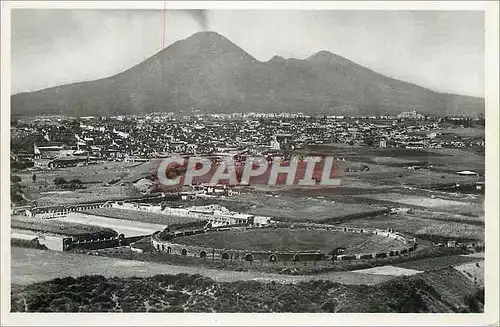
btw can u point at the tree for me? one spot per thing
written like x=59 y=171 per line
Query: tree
x=33 y=177
x=60 y=181
x=369 y=140
x=15 y=179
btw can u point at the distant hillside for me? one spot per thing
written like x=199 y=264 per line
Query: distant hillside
x=209 y=73
x=446 y=290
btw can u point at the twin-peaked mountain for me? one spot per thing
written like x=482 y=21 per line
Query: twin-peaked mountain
x=209 y=73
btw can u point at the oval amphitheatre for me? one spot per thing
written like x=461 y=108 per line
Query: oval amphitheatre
x=308 y=242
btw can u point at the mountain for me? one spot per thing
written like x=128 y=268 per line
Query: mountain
x=209 y=73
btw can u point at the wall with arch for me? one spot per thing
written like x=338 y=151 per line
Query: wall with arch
x=167 y=244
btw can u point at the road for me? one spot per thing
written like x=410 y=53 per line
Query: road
x=31 y=265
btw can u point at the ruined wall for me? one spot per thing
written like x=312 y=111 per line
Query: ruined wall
x=94 y=244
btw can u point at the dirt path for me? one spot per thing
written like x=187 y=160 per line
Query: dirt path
x=30 y=265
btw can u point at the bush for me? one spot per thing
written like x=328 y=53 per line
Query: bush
x=189 y=294
x=60 y=181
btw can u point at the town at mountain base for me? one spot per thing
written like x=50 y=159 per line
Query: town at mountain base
x=208 y=73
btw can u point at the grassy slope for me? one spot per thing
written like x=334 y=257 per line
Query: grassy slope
x=429 y=292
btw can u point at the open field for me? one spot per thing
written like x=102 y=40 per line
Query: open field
x=60 y=227
x=434 y=230
x=290 y=240
x=93 y=173
x=387 y=165
x=389 y=270
x=452 y=286
x=101 y=181
x=142 y=216
x=31 y=265
x=474 y=271
x=471 y=206
x=469 y=131
x=291 y=207
x=451 y=217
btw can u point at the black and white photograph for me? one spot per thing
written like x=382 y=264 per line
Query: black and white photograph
x=213 y=157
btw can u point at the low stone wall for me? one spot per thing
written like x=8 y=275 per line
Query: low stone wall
x=169 y=246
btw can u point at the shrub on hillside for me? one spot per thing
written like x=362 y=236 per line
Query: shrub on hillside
x=195 y=293
x=60 y=181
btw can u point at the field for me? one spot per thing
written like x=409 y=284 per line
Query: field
x=127 y=227
x=195 y=293
x=94 y=173
x=389 y=270
x=429 y=229
x=441 y=202
x=387 y=165
x=95 y=192
x=285 y=206
x=290 y=240
x=447 y=216
x=142 y=216
x=438 y=262
x=61 y=227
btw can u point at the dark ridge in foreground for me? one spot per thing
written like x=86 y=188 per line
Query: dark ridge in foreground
x=437 y=291
x=208 y=73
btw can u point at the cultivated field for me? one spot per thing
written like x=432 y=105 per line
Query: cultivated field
x=471 y=206
x=437 y=262
x=387 y=165
x=93 y=192
x=127 y=227
x=290 y=240
x=474 y=271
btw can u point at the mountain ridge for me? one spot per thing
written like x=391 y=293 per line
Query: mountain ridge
x=207 y=72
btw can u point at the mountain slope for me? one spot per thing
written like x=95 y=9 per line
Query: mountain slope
x=207 y=72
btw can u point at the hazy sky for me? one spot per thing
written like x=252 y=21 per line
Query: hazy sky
x=441 y=50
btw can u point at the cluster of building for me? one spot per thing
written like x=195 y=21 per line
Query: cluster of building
x=139 y=138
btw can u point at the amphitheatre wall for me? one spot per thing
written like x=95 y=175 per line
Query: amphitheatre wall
x=169 y=246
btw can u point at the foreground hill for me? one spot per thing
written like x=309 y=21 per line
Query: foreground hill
x=445 y=290
x=209 y=73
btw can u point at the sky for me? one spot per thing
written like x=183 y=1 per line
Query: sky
x=440 y=50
